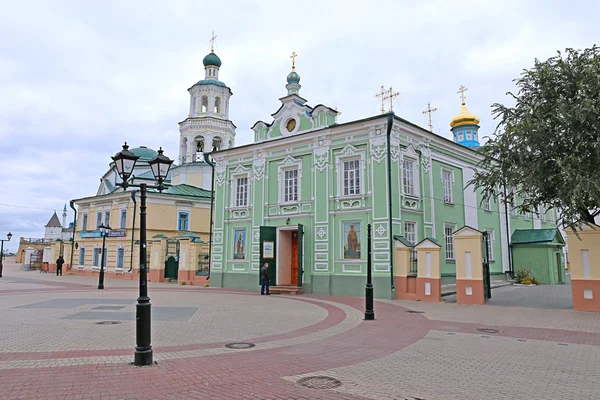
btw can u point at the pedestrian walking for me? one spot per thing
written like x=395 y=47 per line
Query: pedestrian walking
x=59 y=263
x=264 y=279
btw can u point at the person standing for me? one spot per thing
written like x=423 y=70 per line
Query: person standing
x=59 y=263
x=264 y=279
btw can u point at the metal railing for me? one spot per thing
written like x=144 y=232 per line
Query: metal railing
x=413 y=263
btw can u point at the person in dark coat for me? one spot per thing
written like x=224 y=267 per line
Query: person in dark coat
x=59 y=263
x=264 y=278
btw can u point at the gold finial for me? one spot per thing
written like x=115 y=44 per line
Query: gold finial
x=293 y=57
x=462 y=91
x=385 y=95
x=212 y=42
x=382 y=95
x=430 y=111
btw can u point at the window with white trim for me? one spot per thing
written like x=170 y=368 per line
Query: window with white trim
x=351 y=177
x=449 y=240
x=241 y=192
x=98 y=219
x=490 y=244
x=82 y=255
x=123 y=223
x=183 y=221
x=290 y=185
x=96 y=256
x=120 y=257
x=447 y=183
x=85 y=222
x=410 y=177
x=107 y=218
x=410 y=231
x=487 y=206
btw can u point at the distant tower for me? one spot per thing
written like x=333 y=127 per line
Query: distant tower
x=207 y=125
x=465 y=125
x=64 y=215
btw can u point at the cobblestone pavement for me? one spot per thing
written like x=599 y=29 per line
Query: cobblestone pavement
x=52 y=348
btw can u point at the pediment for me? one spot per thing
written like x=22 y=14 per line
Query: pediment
x=467 y=231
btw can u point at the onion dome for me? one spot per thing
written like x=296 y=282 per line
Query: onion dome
x=212 y=60
x=464 y=117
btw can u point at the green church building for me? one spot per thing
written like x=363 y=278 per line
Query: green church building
x=301 y=196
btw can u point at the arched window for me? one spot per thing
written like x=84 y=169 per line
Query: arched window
x=183 y=150
x=230 y=143
x=199 y=148
x=217 y=141
x=194 y=104
x=217 y=105
x=204 y=104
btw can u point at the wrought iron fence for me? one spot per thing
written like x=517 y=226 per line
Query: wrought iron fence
x=413 y=263
x=203 y=264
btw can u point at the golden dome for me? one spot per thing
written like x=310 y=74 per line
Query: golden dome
x=464 y=117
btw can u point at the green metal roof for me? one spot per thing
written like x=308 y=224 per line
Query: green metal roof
x=144 y=153
x=537 y=237
x=150 y=175
x=188 y=190
x=403 y=240
x=160 y=236
x=212 y=59
x=189 y=234
x=432 y=240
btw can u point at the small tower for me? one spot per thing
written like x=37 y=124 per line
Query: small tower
x=207 y=125
x=64 y=215
x=293 y=79
x=465 y=125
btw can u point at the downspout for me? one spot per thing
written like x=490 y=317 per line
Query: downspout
x=390 y=123
x=132 y=231
x=510 y=261
x=212 y=201
x=74 y=224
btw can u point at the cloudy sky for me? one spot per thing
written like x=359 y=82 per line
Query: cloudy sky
x=77 y=78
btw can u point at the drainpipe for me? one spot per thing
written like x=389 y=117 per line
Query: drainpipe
x=390 y=123
x=212 y=201
x=510 y=260
x=132 y=231
x=74 y=224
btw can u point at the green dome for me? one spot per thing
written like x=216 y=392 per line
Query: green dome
x=293 y=77
x=144 y=153
x=212 y=60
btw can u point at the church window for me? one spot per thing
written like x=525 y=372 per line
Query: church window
x=107 y=218
x=487 y=204
x=183 y=221
x=460 y=136
x=98 y=219
x=490 y=244
x=120 y=257
x=449 y=240
x=410 y=231
x=409 y=177
x=469 y=135
x=290 y=186
x=204 y=107
x=85 y=222
x=241 y=192
x=351 y=180
x=82 y=256
x=447 y=183
x=290 y=125
x=217 y=108
x=123 y=223
x=216 y=143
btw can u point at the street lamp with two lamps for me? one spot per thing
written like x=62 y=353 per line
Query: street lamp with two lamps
x=125 y=162
x=9 y=236
x=104 y=231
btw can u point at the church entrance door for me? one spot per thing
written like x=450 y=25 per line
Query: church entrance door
x=294 y=260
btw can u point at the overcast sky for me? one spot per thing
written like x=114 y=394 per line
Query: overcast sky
x=78 y=78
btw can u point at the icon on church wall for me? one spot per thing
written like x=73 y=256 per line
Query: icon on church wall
x=291 y=125
x=239 y=246
x=351 y=240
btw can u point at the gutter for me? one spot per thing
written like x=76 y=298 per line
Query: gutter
x=390 y=123
x=132 y=231
x=74 y=224
x=510 y=258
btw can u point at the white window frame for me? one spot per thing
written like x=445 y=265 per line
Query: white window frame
x=98 y=219
x=347 y=154
x=487 y=204
x=123 y=224
x=84 y=223
x=107 y=218
x=82 y=255
x=450 y=198
x=491 y=240
x=415 y=232
x=449 y=254
x=234 y=191
x=122 y=259
x=414 y=177
x=183 y=209
x=357 y=176
x=96 y=257
x=187 y=221
x=289 y=164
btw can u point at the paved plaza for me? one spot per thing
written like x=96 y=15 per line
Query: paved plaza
x=61 y=338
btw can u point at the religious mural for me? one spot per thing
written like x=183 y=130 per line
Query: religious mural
x=239 y=245
x=351 y=240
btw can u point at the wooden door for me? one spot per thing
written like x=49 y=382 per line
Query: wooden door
x=268 y=242
x=294 y=260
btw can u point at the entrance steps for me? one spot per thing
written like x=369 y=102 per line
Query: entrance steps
x=285 y=289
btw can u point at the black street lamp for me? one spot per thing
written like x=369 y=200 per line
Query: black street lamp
x=369 y=313
x=208 y=158
x=125 y=161
x=104 y=230
x=9 y=236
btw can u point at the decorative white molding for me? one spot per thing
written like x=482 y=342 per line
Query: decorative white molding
x=258 y=169
x=380 y=230
x=425 y=155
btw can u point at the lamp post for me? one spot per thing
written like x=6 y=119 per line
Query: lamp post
x=104 y=230
x=125 y=161
x=9 y=236
x=208 y=158
x=369 y=313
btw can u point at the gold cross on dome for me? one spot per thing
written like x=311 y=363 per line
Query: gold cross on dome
x=462 y=91
x=430 y=111
x=293 y=57
x=212 y=42
x=382 y=95
x=390 y=96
